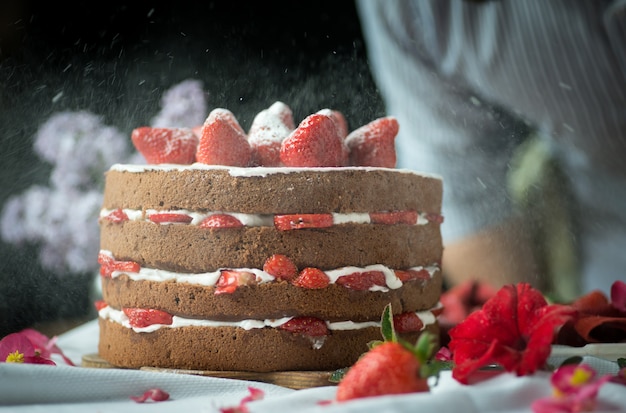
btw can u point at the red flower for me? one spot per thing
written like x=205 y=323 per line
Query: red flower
x=514 y=329
x=459 y=302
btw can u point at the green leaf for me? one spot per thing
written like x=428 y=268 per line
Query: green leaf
x=337 y=375
x=374 y=343
x=571 y=360
x=386 y=325
x=434 y=367
x=621 y=362
x=425 y=346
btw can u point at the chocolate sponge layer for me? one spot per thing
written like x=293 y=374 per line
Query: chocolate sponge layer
x=231 y=348
x=189 y=248
x=270 y=300
x=314 y=191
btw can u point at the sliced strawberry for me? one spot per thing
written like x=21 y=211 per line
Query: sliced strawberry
x=315 y=142
x=435 y=218
x=117 y=216
x=339 y=119
x=362 y=281
x=307 y=326
x=394 y=217
x=437 y=311
x=281 y=267
x=166 y=145
x=408 y=275
x=220 y=221
x=312 y=278
x=223 y=141
x=144 y=317
x=299 y=221
x=100 y=304
x=229 y=281
x=104 y=259
x=108 y=265
x=169 y=218
x=374 y=144
x=407 y=323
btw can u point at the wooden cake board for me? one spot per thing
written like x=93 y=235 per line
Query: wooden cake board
x=291 y=379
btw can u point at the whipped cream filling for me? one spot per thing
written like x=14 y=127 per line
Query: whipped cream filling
x=211 y=278
x=248 y=220
x=258 y=170
x=118 y=316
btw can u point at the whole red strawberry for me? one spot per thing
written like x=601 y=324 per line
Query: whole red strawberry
x=165 y=145
x=315 y=142
x=340 y=121
x=374 y=144
x=388 y=368
x=223 y=141
x=392 y=366
x=269 y=128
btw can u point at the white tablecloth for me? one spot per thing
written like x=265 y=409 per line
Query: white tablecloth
x=41 y=388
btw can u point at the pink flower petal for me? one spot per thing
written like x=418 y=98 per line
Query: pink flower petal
x=255 y=394
x=155 y=394
x=38 y=360
x=16 y=342
x=618 y=295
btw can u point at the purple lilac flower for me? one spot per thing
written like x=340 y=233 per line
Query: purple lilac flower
x=62 y=218
x=184 y=105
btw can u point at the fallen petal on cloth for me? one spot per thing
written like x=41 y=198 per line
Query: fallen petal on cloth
x=599 y=320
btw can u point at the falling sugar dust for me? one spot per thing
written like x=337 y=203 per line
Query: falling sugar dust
x=72 y=90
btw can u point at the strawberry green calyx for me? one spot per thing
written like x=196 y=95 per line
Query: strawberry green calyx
x=423 y=349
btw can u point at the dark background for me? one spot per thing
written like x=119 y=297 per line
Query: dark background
x=117 y=59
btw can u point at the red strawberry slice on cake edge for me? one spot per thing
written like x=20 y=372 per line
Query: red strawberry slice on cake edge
x=280 y=267
x=299 y=221
x=361 y=281
x=118 y=215
x=223 y=141
x=306 y=326
x=166 y=145
x=230 y=280
x=220 y=221
x=311 y=278
x=374 y=144
x=108 y=265
x=144 y=317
